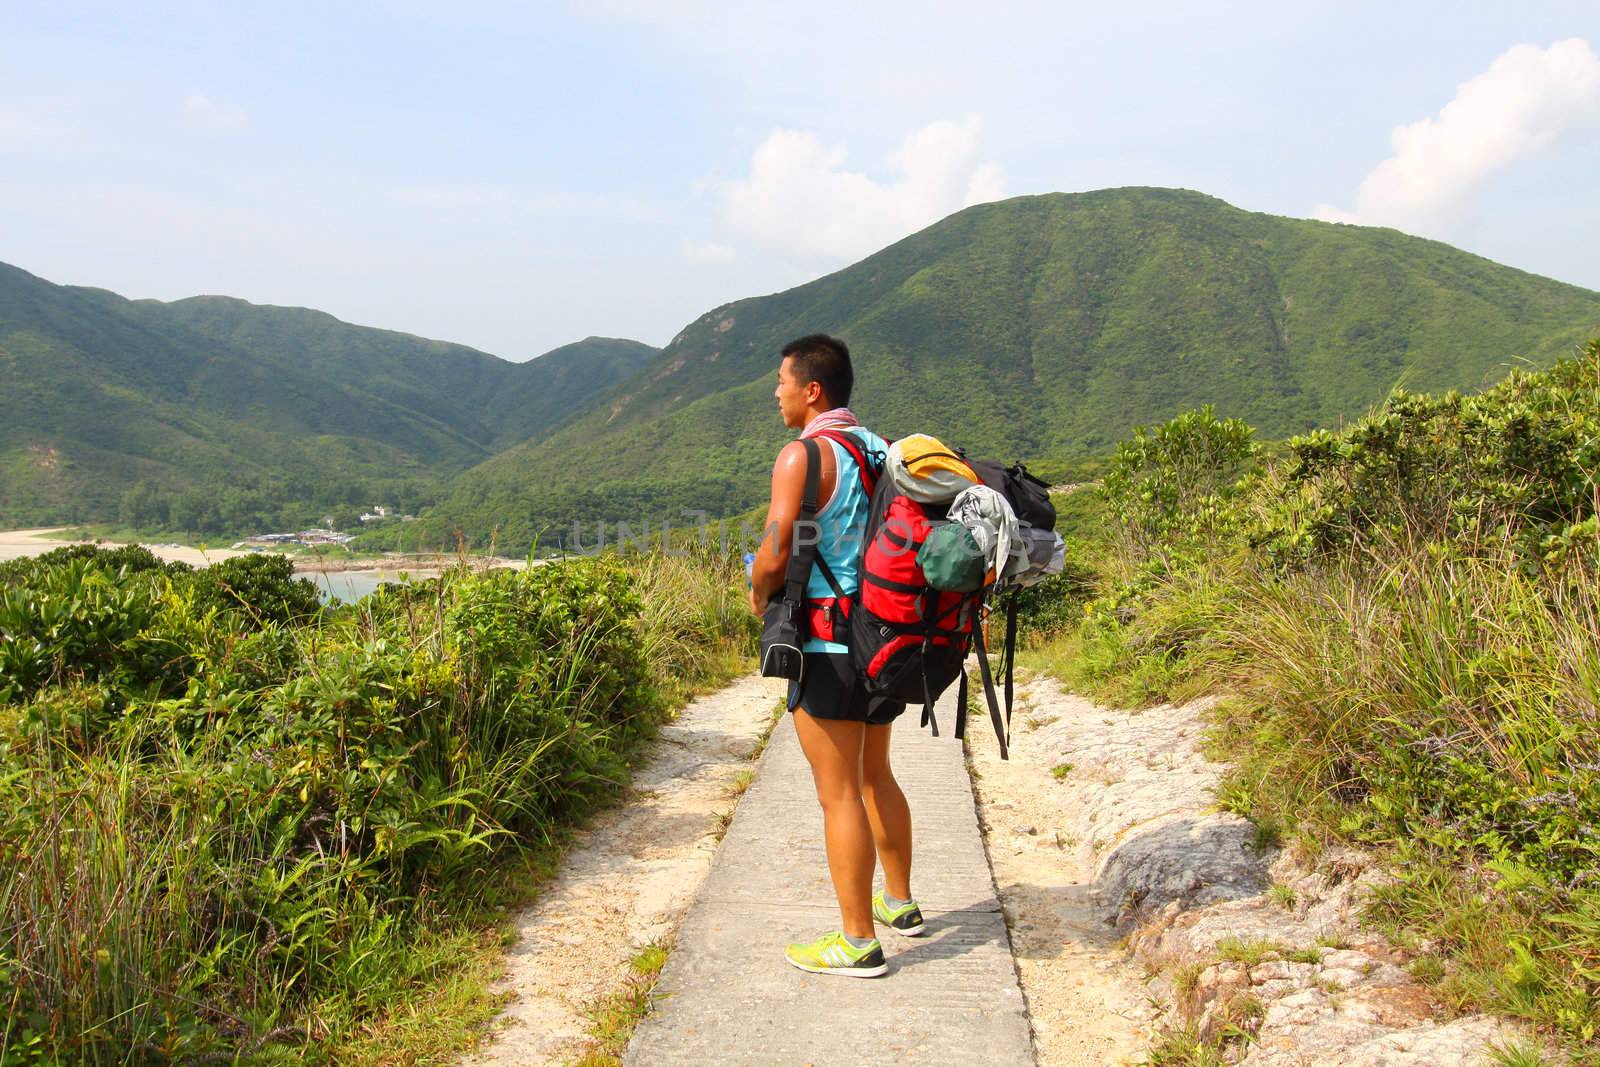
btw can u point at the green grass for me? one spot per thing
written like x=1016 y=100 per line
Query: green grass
x=1247 y=950
x=612 y=1020
x=1183 y=1049
x=1517 y=1054
x=1427 y=969
x=1185 y=978
x=741 y=782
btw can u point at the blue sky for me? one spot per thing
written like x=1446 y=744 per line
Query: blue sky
x=515 y=176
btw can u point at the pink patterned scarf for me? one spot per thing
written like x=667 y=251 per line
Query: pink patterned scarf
x=832 y=419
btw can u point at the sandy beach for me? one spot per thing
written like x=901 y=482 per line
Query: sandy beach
x=14 y=544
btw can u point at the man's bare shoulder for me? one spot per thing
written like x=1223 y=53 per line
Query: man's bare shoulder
x=791 y=459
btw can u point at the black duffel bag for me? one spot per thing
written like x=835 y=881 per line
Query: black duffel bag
x=1028 y=496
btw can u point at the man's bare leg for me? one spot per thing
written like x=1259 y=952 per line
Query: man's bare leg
x=887 y=811
x=833 y=749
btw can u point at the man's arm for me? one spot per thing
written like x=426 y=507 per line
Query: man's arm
x=772 y=557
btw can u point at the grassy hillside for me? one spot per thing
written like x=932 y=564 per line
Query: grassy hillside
x=1043 y=326
x=209 y=395
x=492 y=401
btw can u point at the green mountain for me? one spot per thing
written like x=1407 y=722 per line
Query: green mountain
x=210 y=394
x=1042 y=326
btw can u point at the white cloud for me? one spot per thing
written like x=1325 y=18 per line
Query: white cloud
x=987 y=185
x=800 y=198
x=64 y=125
x=201 y=114
x=1526 y=101
x=709 y=253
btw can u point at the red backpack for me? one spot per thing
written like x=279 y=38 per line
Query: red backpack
x=908 y=640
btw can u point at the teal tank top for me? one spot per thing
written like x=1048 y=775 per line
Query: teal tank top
x=842 y=526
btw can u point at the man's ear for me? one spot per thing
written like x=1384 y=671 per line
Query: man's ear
x=813 y=392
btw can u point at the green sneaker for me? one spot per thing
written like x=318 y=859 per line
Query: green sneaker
x=906 y=919
x=832 y=954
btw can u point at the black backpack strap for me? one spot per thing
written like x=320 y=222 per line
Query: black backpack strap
x=811 y=503
x=961 y=705
x=808 y=501
x=1011 y=650
x=988 y=692
x=798 y=573
x=928 y=719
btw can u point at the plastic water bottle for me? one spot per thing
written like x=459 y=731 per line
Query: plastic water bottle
x=749 y=567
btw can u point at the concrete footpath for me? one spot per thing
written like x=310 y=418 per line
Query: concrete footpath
x=726 y=996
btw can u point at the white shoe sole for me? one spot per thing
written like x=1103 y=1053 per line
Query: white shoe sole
x=846 y=972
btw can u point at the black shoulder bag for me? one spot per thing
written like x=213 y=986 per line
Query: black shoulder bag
x=783 y=629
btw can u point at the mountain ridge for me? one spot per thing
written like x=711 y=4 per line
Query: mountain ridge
x=105 y=392
x=1061 y=321
x=1037 y=327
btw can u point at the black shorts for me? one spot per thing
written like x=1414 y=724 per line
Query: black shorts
x=830 y=688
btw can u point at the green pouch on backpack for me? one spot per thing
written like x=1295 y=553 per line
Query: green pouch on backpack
x=951 y=559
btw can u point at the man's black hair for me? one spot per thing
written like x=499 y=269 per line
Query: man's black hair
x=826 y=361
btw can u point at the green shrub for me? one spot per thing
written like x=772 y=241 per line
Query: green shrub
x=225 y=818
x=1517 y=461
x=1171 y=490
x=262 y=588
x=75 y=622
x=123 y=559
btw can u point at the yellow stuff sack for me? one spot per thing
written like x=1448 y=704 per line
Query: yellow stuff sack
x=922 y=455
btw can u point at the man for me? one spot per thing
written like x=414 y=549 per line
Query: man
x=843 y=732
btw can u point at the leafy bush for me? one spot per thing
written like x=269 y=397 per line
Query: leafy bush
x=122 y=559
x=76 y=622
x=1517 y=461
x=223 y=822
x=262 y=588
x=1171 y=490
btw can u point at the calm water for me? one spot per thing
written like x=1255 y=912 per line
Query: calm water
x=349 y=586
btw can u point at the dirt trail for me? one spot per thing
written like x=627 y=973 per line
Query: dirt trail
x=1137 y=909
x=629 y=879
x=1086 y=1002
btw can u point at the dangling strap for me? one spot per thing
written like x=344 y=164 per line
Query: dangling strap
x=928 y=719
x=1011 y=650
x=988 y=692
x=961 y=706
